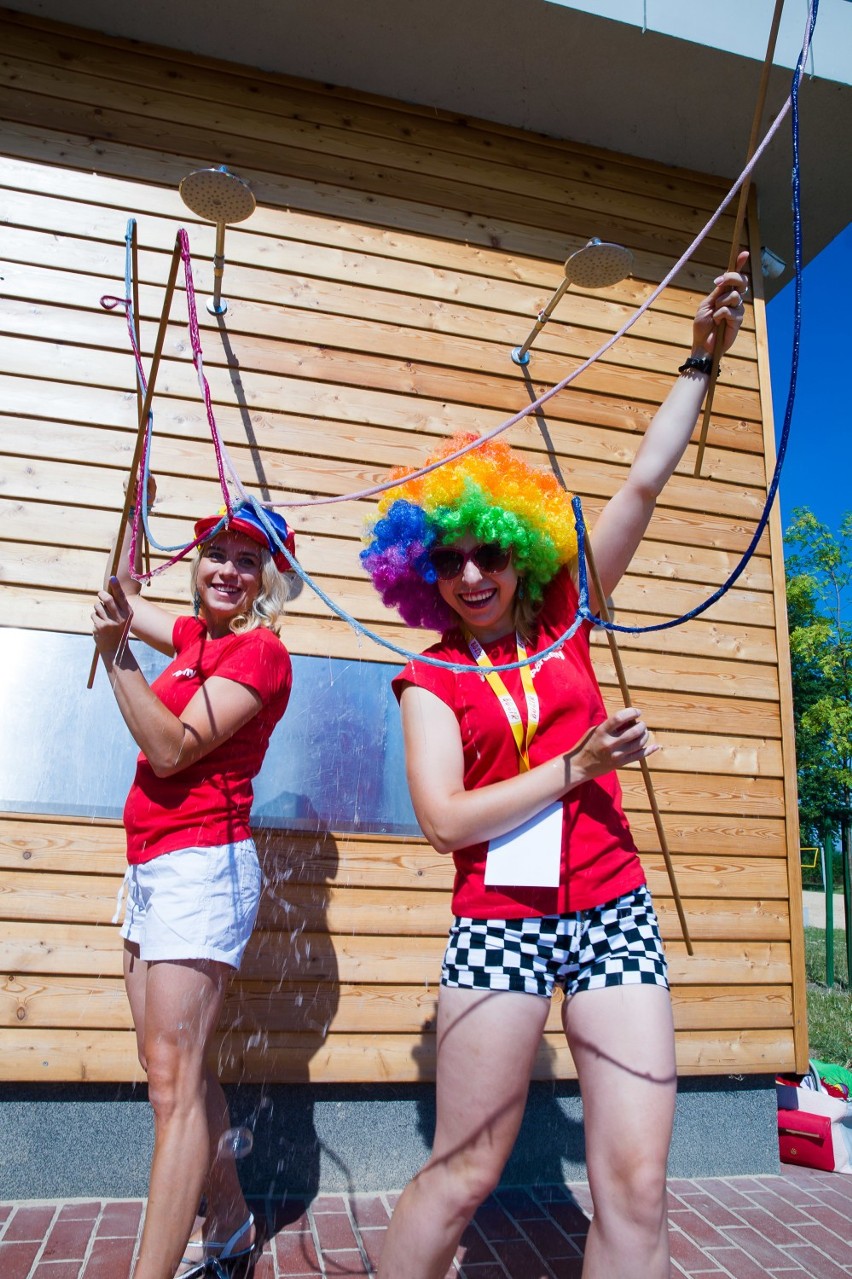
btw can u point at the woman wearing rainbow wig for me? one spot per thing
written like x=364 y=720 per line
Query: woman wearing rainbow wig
x=515 y=774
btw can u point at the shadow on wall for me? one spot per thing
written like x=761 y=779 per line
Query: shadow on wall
x=278 y=1013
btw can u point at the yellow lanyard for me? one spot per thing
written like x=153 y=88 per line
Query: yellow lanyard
x=513 y=715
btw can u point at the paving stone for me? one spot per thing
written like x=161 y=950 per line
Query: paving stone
x=817 y=1235
x=328 y=1203
x=56 y=1270
x=474 y=1248
x=121 y=1219
x=817 y=1264
x=770 y=1227
x=710 y=1209
x=757 y=1246
x=372 y=1241
x=831 y=1219
x=685 y=1252
x=522 y=1261
x=488 y=1270
x=726 y=1193
x=519 y=1204
x=782 y=1209
x=109 y=1259
x=81 y=1210
x=701 y=1232
x=295 y=1254
x=29 y=1223
x=16 y=1258
x=494 y=1223
x=369 y=1210
x=69 y=1238
x=549 y=1240
x=347 y=1261
x=739 y=1263
x=334 y=1231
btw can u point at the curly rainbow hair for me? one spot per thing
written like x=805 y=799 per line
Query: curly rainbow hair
x=489 y=493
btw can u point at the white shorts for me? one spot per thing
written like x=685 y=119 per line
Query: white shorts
x=194 y=903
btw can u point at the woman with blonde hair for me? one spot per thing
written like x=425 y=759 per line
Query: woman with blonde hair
x=193 y=879
x=514 y=774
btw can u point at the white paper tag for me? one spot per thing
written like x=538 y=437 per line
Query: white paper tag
x=529 y=856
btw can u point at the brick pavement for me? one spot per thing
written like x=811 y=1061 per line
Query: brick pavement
x=798 y=1224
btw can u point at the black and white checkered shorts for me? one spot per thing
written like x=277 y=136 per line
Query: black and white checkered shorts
x=617 y=944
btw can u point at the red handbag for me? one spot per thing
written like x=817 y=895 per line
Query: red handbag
x=805 y=1139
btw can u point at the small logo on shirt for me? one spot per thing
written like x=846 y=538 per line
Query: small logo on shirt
x=557 y=652
x=185 y=674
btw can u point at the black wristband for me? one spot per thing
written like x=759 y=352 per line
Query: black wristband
x=700 y=363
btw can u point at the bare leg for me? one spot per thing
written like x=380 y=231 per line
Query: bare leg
x=622 y=1041
x=181 y=1007
x=486 y=1045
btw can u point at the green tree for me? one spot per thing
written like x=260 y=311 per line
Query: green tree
x=819 y=586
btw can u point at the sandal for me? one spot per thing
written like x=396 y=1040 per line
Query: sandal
x=227 y=1252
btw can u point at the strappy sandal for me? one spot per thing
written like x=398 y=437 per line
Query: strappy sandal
x=227 y=1253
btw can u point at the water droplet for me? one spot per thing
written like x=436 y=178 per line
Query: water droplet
x=237 y=1142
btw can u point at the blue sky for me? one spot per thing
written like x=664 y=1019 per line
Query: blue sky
x=818 y=468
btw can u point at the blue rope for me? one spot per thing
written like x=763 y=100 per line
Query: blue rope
x=408 y=654
x=791 y=394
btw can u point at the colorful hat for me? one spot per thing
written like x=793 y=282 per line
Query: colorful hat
x=246 y=520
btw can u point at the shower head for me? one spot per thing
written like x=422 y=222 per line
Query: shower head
x=219 y=196
x=598 y=265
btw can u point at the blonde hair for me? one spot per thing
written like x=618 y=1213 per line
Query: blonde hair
x=268 y=605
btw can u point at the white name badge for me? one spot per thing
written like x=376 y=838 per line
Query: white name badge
x=530 y=855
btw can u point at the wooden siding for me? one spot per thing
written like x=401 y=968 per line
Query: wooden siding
x=396 y=255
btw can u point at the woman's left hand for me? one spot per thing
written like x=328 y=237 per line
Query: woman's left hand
x=111 y=619
x=721 y=314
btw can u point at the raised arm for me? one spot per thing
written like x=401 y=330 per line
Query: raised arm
x=452 y=817
x=170 y=743
x=149 y=621
x=626 y=516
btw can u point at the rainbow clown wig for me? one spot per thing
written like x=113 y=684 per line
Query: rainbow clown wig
x=491 y=494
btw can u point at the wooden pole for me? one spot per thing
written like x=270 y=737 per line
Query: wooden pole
x=143 y=419
x=739 y=222
x=603 y=609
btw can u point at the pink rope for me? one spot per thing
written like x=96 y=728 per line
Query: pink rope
x=560 y=386
x=108 y=301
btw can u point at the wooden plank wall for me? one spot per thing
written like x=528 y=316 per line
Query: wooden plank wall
x=396 y=255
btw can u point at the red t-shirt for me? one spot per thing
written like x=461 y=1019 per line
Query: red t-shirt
x=599 y=859
x=209 y=802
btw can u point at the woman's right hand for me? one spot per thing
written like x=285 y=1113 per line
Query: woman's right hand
x=620 y=740
x=131 y=483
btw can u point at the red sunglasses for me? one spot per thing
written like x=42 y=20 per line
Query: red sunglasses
x=448 y=561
